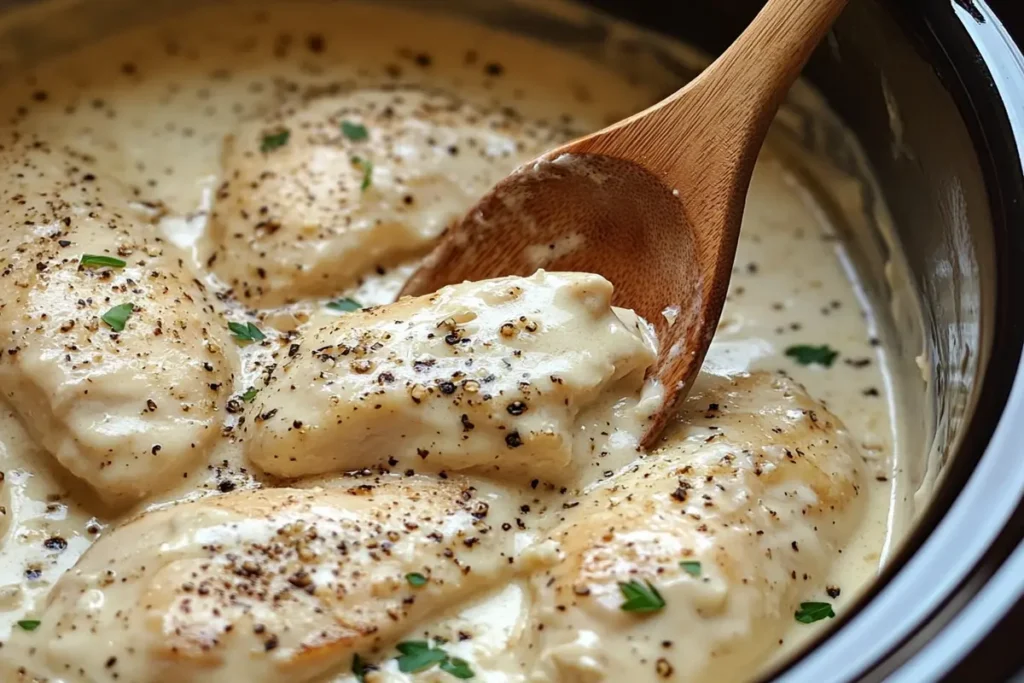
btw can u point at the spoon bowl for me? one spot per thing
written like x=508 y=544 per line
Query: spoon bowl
x=653 y=203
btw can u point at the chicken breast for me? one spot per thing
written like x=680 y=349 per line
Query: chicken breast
x=319 y=193
x=691 y=564
x=279 y=585
x=112 y=353
x=486 y=376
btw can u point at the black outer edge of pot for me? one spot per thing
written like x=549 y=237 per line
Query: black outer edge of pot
x=984 y=71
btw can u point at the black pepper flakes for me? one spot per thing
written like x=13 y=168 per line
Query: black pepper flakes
x=516 y=408
x=55 y=543
x=316 y=43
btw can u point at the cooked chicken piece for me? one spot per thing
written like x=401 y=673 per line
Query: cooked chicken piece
x=126 y=410
x=279 y=585
x=485 y=376
x=729 y=527
x=319 y=193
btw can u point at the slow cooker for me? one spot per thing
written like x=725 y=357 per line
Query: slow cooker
x=921 y=105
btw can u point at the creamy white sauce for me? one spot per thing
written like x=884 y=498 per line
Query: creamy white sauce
x=153 y=107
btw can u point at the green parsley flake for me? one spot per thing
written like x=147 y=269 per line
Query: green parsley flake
x=417 y=655
x=458 y=668
x=29 y=624
x=367 y=167
x=117 y=316
x=272 y=141
x=811 y=612
x=356 y=132
x=806 y=355
x=246 y=332
x=690 y=567
x=344 y=305
x=95 y=261
x=359 y=668
x=641 y=598
x=250 y=394
x=416 y=579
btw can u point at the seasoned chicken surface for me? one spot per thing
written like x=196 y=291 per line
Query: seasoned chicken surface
x=277 y=585
x=317 y=194
x=486 y=376
x=692 y=562
x=113 y=354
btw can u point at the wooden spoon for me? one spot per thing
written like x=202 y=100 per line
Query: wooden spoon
x=652 y=203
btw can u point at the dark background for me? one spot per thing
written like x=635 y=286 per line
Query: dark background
x=1012 y=14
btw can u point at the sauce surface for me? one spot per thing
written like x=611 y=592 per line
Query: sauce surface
x=284 y=161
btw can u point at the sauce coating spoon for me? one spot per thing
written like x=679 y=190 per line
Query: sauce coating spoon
x=652 y=203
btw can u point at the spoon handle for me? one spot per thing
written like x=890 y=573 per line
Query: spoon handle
x=761 y=65
x=723 y=114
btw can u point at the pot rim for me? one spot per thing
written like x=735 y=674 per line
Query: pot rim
x=913 y=625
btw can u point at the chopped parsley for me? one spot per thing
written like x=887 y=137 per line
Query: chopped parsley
x=458 y=668
x=250 y=394
x=246 y=332
x=359 y=668
x=272 y=141
x=356 y=132
x=811 y=612
x=345 y=305
x=94 y=261
x=642 y=598
x=416 y=579
x=417 y=655
x=29 y=624
x=367 y=167
x=117 y=316
x=806 y=355
x=690 y=567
